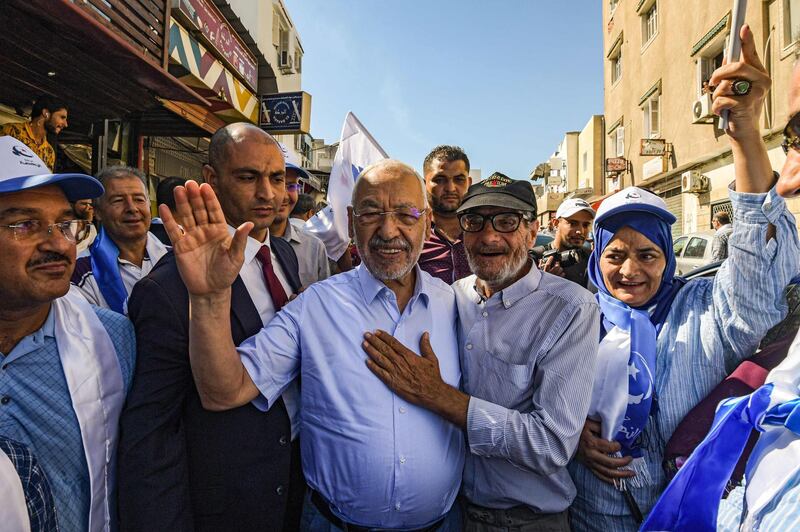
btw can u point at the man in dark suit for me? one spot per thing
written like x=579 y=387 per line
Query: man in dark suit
x=182 y=468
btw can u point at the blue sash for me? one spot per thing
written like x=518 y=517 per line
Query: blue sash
x=691 y=501
x=105 y=268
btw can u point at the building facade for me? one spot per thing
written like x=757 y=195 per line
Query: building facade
x=658 y=58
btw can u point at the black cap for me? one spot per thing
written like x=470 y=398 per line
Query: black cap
x=500 y=191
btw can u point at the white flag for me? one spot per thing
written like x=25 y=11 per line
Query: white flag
x=357 y=150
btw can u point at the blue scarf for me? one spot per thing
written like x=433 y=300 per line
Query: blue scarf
x=642 y=325
x=105 y=268
x=691 y=501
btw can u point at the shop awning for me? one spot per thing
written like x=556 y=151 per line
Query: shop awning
x=58 y=48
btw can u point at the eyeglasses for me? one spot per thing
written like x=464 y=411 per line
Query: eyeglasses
x=294 y=187
x=502 y=222
x=73 y=230
x=791 y=135
x=406 y=216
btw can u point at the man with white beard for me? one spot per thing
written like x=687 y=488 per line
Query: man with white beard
x=371 y=460
x=528 y=348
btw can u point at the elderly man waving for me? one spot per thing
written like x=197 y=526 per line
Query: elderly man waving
x=371 y=459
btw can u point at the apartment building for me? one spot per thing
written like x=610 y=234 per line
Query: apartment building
x=659 y=131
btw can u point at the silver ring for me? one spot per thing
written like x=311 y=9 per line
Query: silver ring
x=182 y=230
x=741 y=87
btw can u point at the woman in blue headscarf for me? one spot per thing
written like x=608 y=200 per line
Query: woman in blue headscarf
x=666 y=343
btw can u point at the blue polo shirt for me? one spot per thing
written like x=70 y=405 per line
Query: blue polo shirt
x=36 y=410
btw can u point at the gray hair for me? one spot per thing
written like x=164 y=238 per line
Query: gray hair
x=118 y=172
x=391 y=163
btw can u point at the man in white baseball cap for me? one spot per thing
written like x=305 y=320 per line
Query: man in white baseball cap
x=566 y=256
x=65 y=365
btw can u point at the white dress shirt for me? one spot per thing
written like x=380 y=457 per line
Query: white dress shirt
x=253 y=277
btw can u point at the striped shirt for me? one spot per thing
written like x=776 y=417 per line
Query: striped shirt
x=712 y=326
x=527 y=360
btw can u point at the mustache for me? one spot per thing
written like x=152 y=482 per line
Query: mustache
x=490 y=249
x=47 y=258
x=393 y=243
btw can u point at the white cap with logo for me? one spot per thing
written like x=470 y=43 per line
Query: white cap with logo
x=633 y=199
x=21 y=169
x=572 y=206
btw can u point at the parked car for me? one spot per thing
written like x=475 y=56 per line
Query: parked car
x=542 y=239
x=692 y=251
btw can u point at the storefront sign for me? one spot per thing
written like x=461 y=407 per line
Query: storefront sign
x=616 y=164
x=286 y=112
x=653 y=147
x=654 y=167
x=204 y=17
x=196 y=66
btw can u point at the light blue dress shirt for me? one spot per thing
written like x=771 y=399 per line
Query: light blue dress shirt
x=713 y=325
x=528 y=356
x=380 y=461
x=781 y=514
x=36 y=409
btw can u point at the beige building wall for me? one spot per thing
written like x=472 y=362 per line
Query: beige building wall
x=269 y=23
x=590 y=156
x=689 y=34
x=571 y=147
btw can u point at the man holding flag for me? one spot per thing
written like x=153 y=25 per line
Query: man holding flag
x=357 y=150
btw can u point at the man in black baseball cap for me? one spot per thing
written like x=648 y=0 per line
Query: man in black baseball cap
x=528 y=345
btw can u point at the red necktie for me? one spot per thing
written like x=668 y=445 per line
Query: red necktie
x=274 y=287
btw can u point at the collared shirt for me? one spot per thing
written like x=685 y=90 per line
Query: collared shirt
x=253 y=278
x=712 y=326
x=83 y=277
x=311 y=257
x=527 y=358
x=719 y=245
x=23 y=133
x=443 y=258
x=380 y=461
x=36 y=410
x=35 y=487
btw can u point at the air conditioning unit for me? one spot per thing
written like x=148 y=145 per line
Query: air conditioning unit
x=694 y=182
x=285 y=60
x=701 y=110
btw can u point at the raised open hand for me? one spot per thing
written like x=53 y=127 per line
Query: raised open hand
x=208 y=258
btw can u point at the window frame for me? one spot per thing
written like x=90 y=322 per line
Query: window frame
x=682 y=241
x=648 y=14
x=788 y=40
x=616 y=139
x=689 y=245
x=648 y=113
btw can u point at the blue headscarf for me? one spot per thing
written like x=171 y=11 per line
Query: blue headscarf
x=658 y=231
x=642 y=325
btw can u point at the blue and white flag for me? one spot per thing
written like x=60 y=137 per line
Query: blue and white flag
x=357 y=150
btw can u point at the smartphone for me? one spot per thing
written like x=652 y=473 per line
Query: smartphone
x=734 y=46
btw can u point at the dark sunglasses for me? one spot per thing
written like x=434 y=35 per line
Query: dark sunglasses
x=791 y=135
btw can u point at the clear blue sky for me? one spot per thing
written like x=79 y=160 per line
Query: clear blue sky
x=504 y=79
